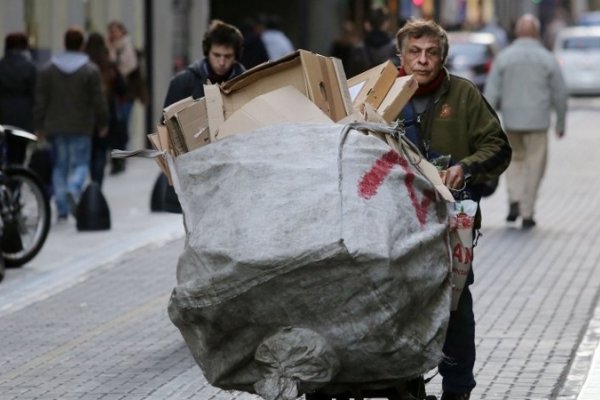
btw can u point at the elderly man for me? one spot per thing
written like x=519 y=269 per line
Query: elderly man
x=526 y=85
x=448 y=117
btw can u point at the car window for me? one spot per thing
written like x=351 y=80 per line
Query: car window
x=469 y=49
x=581 y=43
x=589 y=19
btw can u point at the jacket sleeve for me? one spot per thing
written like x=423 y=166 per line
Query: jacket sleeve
x=491 y=90
x=40 y=103
x=180 y=87
x=100 y=104
x=491 y=152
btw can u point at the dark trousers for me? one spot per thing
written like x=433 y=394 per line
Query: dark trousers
x=100 y=147
x=16 y=149
x=459 y=348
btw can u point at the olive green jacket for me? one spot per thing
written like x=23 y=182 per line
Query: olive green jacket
x=459 y=122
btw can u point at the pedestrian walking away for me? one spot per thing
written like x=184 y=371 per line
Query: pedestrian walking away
x=69 y=105
x=114 y=85
x=526 y=85
x=449 y=118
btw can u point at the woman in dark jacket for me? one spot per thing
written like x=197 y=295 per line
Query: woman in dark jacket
x=114 y=84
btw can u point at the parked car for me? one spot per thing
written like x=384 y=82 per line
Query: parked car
x=591 y=18
x=577 y=50
x=471 y=55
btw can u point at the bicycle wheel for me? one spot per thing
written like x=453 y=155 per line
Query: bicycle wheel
x=30 y=216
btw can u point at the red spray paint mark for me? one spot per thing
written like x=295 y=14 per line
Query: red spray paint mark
x=373 y=179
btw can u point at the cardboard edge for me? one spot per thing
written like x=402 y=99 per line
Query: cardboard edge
x=343 y=85
x=258 y=72
x=214 y=109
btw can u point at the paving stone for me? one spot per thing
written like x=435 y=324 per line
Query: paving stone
x=107 y=334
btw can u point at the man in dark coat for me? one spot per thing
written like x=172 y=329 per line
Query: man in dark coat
x=17 y=88
x=378 y=45
x=222 y=46
x=69 y=105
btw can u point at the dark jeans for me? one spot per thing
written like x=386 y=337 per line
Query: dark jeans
x=459 y=348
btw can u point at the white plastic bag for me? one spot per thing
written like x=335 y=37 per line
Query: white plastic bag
x=462 y=219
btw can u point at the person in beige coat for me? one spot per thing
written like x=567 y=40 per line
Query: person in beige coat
x=123 y=53
x=526 y=85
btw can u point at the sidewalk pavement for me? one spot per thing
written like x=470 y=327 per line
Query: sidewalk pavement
x=68 y=253
x=81 y=323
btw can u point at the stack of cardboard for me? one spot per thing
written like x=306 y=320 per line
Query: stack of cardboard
x=382 y=89
x=300 y=87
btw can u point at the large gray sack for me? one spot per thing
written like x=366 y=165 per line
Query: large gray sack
x=315 y=256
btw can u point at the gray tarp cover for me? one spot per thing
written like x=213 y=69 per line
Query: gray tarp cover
x=315 y=256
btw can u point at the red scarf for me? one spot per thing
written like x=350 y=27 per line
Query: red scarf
x=429 y=87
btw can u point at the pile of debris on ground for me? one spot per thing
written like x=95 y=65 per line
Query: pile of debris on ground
x=316 y=254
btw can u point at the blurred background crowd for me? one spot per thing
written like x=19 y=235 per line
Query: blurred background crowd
x=167 y=35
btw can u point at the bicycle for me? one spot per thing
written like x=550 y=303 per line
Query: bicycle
x=24 y=208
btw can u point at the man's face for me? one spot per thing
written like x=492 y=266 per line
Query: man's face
x=422 y=57
x=221 y=59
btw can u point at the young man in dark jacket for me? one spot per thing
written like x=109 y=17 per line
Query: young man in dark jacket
x=448 y=116
x=222 y=46
x=69 y=104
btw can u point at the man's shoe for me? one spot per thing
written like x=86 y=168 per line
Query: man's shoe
x=528 y=223
x=513 y=212
x=455 y=396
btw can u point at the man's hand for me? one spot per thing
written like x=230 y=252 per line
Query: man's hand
x=454 y=177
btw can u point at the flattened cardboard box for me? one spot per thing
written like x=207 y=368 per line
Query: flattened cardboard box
x=399 y=94
x=187 y=124
x=286 y=104
x=193 y=121
x=319 y=78
x=372 y=85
